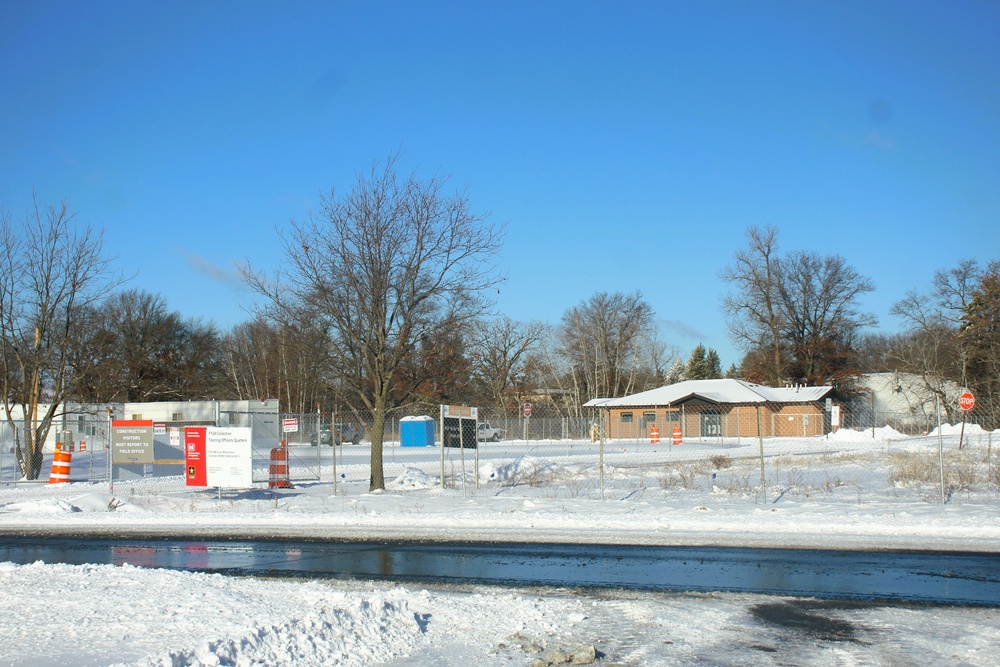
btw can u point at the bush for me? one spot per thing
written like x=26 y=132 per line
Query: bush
x=720 y=461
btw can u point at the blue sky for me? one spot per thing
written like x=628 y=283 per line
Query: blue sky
x=626 y=145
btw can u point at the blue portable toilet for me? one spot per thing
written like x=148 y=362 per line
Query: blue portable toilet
x=416 y=431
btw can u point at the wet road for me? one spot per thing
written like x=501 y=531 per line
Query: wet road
x=951 y=578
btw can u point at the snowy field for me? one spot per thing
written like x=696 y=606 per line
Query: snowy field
x=102 y=615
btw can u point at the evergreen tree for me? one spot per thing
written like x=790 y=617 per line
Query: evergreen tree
x=714 y=364
x=697 y=366
x=676 y=372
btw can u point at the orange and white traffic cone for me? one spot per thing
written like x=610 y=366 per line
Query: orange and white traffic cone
x=279 y=468
x=61 y=462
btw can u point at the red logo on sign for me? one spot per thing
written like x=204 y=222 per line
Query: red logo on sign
x=966 y=401
x=527 y=409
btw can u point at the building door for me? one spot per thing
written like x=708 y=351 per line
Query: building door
x=711 y=425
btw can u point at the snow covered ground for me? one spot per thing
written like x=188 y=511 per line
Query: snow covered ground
x=55 y=614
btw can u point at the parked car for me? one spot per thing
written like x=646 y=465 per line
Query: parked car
x=487 y=432
x=344 y=433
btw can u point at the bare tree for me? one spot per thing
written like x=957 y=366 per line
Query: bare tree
x=500 y=350
x=818 y=302
x=933 y=346
x=265 y=359
x=601 y=339
x=801 y=311
x=752 y=309
x=138 y=350
x=391 y=261
x=51 y=274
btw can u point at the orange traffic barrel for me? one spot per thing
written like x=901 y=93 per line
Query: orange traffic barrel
x=61 y=462
x=654 y=436
x=677 y=435
x=279 y=468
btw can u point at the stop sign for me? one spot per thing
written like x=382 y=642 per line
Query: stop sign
x=966 y=401
x=527 y=409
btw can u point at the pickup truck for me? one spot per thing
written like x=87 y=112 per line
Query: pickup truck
x=487 y=432
x=344 y=433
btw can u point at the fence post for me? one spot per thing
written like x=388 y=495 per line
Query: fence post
x=940 y=449
x=441 y=421
x=108 y=454
x=601 y=454
x=760 y=439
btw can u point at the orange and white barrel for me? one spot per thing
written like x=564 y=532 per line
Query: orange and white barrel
x=654 y=436
x=677 y=435
x=279 y=468
x=61 y=462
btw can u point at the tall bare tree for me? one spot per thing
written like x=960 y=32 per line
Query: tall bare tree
x=500 y=349
x=268 y=359
x=391 y=261
x=52 y=271
x=601 y=339
x=821 y=319
x=752 y=309
x=801 y=311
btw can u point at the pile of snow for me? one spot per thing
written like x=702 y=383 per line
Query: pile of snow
x=522 y=470
x=414 y=478
x=880 y=434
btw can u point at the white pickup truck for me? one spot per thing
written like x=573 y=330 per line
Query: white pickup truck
x=487 y=432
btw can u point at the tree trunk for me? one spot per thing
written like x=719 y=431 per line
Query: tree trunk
x=377 y=479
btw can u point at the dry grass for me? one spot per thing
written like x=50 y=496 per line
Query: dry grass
x=963 y=469
x=685 y=476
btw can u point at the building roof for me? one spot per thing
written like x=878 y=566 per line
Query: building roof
x=715 y=392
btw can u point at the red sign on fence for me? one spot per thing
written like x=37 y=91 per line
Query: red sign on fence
x=966 y=401
x=527 y=409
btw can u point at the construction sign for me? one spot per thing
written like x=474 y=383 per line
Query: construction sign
x=218 y=456
x=131 y=441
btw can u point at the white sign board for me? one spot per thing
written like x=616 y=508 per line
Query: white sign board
x=835 y=416
x=290 y=425
x=460 y=411
x=229 y=457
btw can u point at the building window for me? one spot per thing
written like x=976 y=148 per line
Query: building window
x=136 y=417
x=648 y=417
x=177 y=417
x=673 y=416
x=626 y=417
x=85 y=428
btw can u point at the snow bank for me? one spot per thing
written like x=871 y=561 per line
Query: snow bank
x=881 y=434
x=956 y=429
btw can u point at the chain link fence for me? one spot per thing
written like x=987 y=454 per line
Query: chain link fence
x=733 y=453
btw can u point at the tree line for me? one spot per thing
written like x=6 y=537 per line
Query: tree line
x=383 y=306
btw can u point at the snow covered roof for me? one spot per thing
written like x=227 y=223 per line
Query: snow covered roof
x=594 y=402
x=715 y=391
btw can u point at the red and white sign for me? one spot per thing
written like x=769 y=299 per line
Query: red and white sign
x=290 y=425
x=966 y=401
x=194 y=456
x=527 y=409
x=218 y=456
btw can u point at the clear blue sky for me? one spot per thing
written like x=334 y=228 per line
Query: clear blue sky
x=627 y=145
